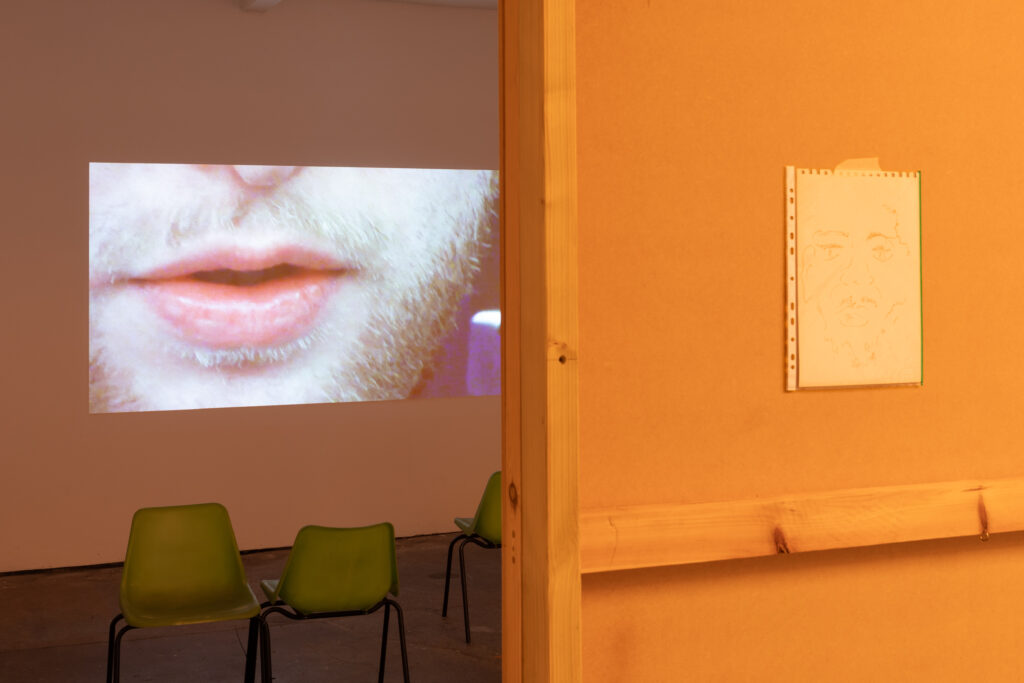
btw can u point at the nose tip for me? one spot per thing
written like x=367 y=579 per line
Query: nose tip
x=857 y=274
x=264 y=176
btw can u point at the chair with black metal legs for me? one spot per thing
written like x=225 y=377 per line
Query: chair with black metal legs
x=337 y=572
x=182 y=567
x=484 y=530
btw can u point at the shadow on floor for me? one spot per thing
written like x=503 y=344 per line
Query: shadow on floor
x=54 y=629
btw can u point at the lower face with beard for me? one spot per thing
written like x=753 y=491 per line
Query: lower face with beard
x=221 y=286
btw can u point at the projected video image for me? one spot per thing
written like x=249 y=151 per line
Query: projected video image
x=220 y=286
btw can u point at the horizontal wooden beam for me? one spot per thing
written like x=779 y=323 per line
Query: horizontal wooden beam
x=658 y=535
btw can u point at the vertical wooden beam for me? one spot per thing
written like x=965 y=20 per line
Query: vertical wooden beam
x=541 y=641
x=511 y=419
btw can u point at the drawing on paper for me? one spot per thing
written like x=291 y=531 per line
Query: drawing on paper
x=854 y=278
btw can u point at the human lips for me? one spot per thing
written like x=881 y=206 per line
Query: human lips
x=229 y=299
x=856 y=311
x=862 y=302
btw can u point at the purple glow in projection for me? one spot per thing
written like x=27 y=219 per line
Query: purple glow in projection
x=223 y=286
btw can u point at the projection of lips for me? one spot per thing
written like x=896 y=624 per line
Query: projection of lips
x=214 y=286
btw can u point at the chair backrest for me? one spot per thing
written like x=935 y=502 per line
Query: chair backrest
x=179 y=554
x=487 y=521
x=340 y=569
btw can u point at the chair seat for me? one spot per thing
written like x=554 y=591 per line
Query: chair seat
x=464 y=523
x=174 y=612
x=182 y=567
x=269 y=588
x=337 y=572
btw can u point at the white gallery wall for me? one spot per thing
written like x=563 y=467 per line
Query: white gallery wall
x=309 y=82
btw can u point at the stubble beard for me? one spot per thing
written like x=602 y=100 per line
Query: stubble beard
x=412 y=313
x=385 y=363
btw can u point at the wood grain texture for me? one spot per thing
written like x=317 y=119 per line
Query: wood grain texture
x=540 y=295
x=511 y=419
x=658 y=535
x=562 y=341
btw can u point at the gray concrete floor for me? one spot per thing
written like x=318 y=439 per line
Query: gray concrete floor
x=53 y=629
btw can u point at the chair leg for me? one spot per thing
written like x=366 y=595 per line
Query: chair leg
x=401 y=638
x=465 y=595
x=448 y=574
x=115 y=668
x=110 y=648
x=266 y=673
x=387 y=616
x=250 y=650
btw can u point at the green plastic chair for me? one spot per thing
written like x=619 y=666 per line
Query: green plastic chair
x=484 y=530
x=182 y=567
x=337 y=572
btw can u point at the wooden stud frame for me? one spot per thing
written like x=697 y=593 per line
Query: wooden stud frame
x=540 y=510
x=657 y=535
x=548 y=542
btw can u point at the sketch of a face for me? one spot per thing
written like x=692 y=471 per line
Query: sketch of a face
x=854 y=273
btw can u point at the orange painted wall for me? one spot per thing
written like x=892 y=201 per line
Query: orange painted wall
x=687 y=113
x=313 y=82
